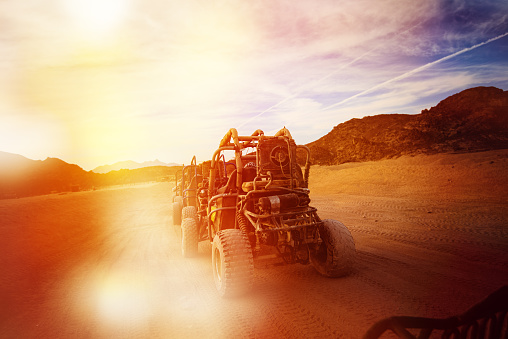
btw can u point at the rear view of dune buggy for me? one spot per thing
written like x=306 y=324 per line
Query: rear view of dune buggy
x=259 y=198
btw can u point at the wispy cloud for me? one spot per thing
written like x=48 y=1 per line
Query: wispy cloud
x=172 y=77
x=414 y=71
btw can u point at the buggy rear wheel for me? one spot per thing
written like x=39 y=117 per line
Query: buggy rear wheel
x=189 y=237
x=232 y=263
x=336 y=255
x=177 y=210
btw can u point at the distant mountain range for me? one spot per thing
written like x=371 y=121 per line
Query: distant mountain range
x=129 y=164
x=473 y=120
x=470 y=121
x=20 y=176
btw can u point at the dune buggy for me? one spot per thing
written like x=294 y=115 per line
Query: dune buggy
x=258 y=198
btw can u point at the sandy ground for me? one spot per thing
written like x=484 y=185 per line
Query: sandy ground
x=430 y=231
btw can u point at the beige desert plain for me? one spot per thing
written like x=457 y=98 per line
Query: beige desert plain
x=430 y=233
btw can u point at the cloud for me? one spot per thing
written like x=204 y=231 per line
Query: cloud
x=416 y=70
x=177 y=75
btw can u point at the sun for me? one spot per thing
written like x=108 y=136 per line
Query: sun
x=96 y=19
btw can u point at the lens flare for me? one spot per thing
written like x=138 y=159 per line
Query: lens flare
x=122 y=298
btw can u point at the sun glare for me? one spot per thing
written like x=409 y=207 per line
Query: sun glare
x=96 y=18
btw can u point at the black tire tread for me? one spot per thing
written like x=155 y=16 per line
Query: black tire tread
x=189 y=212
x=238 y=268
x=177 y=213
x=189 y=237
x=340 y=250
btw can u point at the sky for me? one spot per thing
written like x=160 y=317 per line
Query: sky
x=94 y=82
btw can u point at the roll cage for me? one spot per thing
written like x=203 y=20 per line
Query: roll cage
x=233 y=142
x=263 y=167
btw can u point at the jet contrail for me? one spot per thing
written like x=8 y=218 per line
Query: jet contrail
x=302 y=89
x=323 y=78
x=414 y=71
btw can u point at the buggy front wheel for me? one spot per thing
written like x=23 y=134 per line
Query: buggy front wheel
x=189 y=237
x=232 y=263
x=189 y=212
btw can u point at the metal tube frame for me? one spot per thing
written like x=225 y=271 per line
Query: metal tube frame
x=184 y=191
x=233 y=142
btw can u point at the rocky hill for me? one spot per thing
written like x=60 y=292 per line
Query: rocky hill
x=470 y=121
x=20 y=176
x=473 y=120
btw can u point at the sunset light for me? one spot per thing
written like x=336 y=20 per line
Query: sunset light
x=96 y=19
x=253 y=169
x=120 y=80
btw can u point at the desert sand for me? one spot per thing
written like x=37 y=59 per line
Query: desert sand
x=430 y=233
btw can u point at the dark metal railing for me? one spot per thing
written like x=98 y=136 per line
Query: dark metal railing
x=486 y=320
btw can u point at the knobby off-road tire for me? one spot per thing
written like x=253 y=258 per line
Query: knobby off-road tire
x=232 y=263
x=189 y=212
x=337 y=253
x=189 y=237
x=177 y=211
x=247 y=228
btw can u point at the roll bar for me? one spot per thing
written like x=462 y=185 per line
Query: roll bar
x=232 y=133
x=231 y=141
x=283 y=132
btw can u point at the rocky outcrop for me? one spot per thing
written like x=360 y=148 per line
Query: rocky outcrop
x=473 y=120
